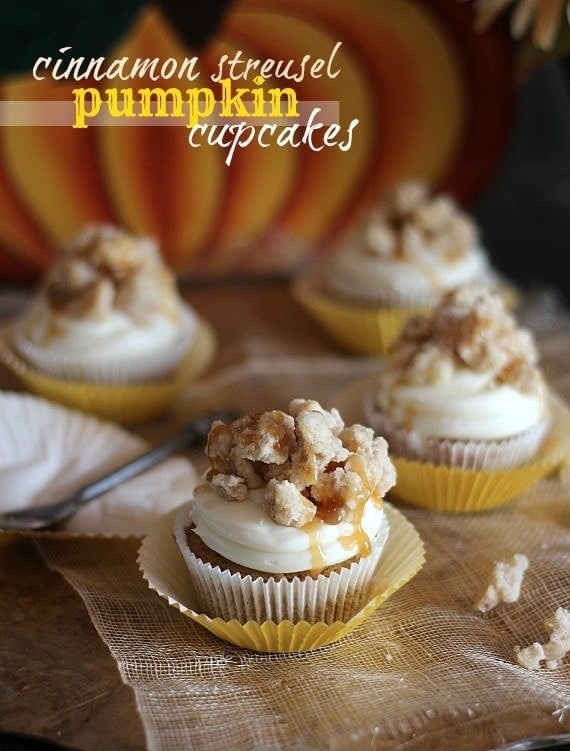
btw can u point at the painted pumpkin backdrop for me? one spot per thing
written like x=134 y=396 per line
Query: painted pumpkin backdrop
x=432 y=98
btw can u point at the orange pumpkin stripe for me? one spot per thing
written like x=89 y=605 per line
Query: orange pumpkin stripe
x=328 y=176
x=159 y=183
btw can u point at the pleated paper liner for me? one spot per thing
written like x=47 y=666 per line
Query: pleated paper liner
x=455 y=490
x=127 y=403
x=356 y=329
x=48 y=451
x=333 y=596
x=165 y=570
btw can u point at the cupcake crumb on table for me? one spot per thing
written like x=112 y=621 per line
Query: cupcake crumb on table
x=504 y=583
x=397 y=260
x=289 y=521
x=553 y=652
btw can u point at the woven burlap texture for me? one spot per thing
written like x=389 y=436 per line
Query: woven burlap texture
x=426 y=671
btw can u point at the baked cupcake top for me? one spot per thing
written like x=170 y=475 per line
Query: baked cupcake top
x=464 y=371
x=108 y=293
x=292 y=491
x=408 y=248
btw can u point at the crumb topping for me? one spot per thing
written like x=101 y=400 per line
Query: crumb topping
x=106 y=269
x=469 y=328
x=407 y=221
x=309 y=462
x=553 y=652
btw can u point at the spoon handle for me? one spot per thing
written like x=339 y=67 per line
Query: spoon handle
x=192 y=435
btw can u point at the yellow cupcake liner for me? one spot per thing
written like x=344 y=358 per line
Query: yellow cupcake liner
x=165 y=570
x=127 y=403
x=360 y=329
x=357 y=329
x=454 y=490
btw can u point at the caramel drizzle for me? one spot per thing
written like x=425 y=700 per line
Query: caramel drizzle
x=333 y=510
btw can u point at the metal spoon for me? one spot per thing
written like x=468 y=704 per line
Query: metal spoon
x=192 y=435
x=546 y=742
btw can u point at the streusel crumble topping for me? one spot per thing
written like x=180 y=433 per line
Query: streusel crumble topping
x=408 y=220
x=469 y=328
x=309 y=462
x=107 y=269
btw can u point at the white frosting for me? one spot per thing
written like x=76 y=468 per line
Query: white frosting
x=242 y=532
x=108 y=301
x=467 y=405
x=111 y=350
x=425 y=275
x=115 y=336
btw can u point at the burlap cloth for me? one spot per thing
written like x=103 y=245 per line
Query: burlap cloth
x=426 y=671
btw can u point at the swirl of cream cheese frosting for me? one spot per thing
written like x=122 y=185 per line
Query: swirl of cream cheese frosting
x=116 y=336
x=424 y=276
x=243 y=533
x=410 y=247
x=111 y=351
x=466 y=405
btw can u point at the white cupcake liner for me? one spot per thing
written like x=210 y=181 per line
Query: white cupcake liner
x=156 y=365
x=326 y=598
x=465 y=454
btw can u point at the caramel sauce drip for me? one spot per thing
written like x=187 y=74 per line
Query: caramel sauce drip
x=333 y=510
x=317 y=557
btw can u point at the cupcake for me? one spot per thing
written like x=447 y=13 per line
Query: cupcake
x=461 y=386
x=406 y=251
x=108 y=315
x=466 y=412
x=402 y=255
x=289 y=521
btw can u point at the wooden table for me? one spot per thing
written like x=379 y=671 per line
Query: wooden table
x=58 y=680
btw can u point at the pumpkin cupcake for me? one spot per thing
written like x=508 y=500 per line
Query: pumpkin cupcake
x=461 y=386
x=401 y=256
x=289 y=522
x=465 y=408
x=108 y=316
